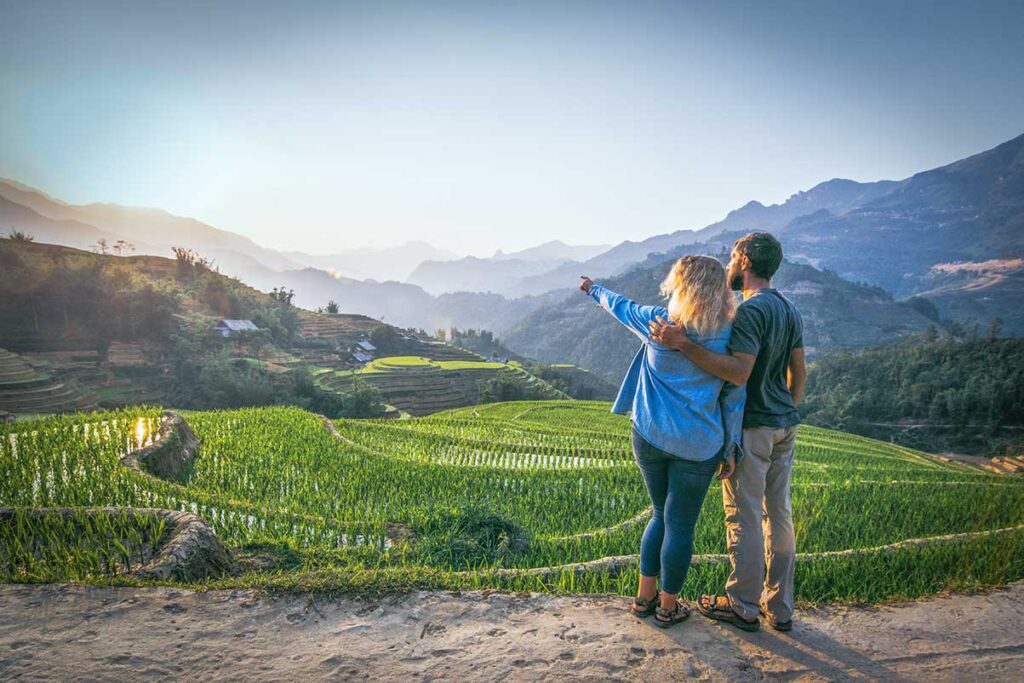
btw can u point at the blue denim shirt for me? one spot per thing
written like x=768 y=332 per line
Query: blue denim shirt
x=675 y=405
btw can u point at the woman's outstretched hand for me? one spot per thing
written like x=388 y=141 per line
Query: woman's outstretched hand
x=586 y=283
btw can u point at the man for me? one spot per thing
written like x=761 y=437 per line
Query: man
x=766 y=353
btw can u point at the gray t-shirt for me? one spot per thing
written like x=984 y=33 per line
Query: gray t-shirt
x=769 y=327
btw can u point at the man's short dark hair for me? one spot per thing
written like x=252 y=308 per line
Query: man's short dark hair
x=763 y=251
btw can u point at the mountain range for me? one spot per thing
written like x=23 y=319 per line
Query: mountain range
x=505 y=273
x=953 y=236
x=381 y=265
x=837 y=314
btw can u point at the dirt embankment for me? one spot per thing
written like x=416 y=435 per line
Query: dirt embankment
x=172 y=452
x=66 y=632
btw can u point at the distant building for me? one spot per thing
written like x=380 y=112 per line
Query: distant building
x=362 y=357
x=226 y=328
x=366 y=346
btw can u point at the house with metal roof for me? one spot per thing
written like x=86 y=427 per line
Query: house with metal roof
x=226 y=327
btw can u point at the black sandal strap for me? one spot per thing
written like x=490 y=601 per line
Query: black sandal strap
x=647 y=604
x=672 y=613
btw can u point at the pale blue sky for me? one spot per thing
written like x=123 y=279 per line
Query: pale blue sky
x=321 y=126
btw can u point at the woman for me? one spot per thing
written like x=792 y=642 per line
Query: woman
x=687 y=423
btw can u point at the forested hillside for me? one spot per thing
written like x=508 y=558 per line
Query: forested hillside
x=140 y=329
x=63 y=298
x=937 y=395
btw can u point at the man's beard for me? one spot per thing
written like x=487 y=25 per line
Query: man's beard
x=736 y=282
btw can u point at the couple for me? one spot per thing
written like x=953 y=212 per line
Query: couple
x=715 y=389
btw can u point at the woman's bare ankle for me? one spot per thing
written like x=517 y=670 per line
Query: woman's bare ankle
x=648 y=589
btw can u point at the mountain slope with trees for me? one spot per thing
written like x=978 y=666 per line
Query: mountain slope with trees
x=956 y=394
x=970 y=210
x=59 y=302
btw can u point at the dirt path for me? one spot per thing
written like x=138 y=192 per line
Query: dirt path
x=69 y=632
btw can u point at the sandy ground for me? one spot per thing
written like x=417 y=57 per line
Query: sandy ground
x=76 y=633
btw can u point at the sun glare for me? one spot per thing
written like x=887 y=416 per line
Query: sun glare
x=141 y=432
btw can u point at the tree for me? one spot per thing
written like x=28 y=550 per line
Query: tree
x=100 y=246
x=19 y=236
x=256 y=341
x=281 y=295
x=362 y=400
x=121 y=247
x=995 y=327
x=500 y=388
x=190 y=264
x=385 y=339
x=332 y=306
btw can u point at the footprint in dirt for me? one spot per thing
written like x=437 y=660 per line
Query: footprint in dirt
x=173 y=608
x=295 y=618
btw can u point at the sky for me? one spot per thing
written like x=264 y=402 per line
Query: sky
x=324 y=126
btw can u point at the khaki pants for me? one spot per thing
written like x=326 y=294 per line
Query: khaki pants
x=759 y=525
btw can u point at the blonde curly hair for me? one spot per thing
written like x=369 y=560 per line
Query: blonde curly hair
x=698 y=294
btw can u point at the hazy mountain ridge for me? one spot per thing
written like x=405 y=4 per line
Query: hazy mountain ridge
x=555 y=250
x=380 y=264
x=65 y=231
x=836 y=314
x=152 y=231
x=970 y=209
x=511 y=273
x=837 y=195
x=473 y=274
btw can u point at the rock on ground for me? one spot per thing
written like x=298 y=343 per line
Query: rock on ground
x=87 y=633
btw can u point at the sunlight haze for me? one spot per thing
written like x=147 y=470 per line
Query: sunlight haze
x=476 y=126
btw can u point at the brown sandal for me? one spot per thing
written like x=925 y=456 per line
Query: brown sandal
x=666 y=618
x=719 y=608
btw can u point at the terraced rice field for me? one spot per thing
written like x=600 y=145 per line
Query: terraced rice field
x=513 y=495
x=23 y=389
x=421 y=385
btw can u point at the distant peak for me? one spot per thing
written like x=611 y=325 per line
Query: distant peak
x=28 y=188
x=752 y=206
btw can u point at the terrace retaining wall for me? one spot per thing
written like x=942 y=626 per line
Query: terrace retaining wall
x=173 y=452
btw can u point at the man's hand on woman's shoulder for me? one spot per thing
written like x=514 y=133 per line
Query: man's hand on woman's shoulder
x=669 y=334
x=585 y=284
